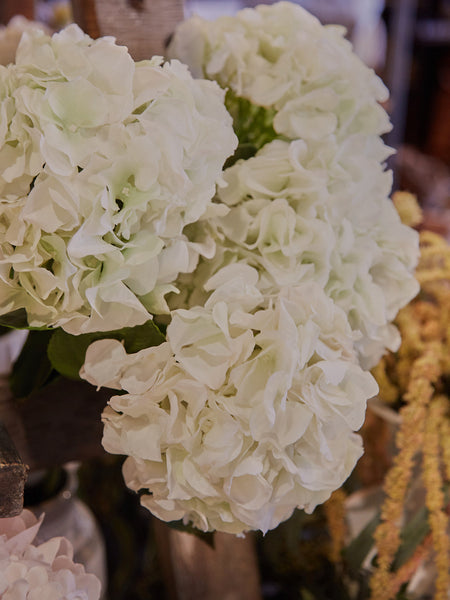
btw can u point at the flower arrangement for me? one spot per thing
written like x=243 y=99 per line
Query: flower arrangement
x=44 y=570
x=239 y=321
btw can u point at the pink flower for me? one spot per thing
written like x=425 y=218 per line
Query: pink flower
x=30 y=572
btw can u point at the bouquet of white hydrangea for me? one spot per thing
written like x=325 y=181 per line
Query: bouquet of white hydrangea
x=242 y=404
x=249 y=408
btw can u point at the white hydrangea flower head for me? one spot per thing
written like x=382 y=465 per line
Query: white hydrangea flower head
x=313 y=204
x=302 y=212
x=246 y=412
x=105 y=162
x=32 y=572
x=281 y=58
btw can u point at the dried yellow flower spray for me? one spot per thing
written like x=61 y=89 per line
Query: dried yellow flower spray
x=417 y=375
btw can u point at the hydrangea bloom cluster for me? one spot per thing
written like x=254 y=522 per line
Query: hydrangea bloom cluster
x=249 y=408
x=296 y=215
x=104 y=163
x=245 y=412
x=281 y=58
x=313 y=204
x=31 y=572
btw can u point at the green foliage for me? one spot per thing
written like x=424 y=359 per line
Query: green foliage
x=47 y=353
x=67 y=352
x=33 y=368
x=355 y=553
x=243 y=151
x=252 y=124
x=17 y=319
x=412 y=536
x=306 y=595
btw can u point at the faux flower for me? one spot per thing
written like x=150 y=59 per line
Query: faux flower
x=246 y=412
x=312 y=205
x=35 y=572
x=282 y=59
x=318 y=212
x=104 y=163
x=249 y=408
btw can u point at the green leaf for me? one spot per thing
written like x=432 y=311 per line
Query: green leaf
x=140 y=337
x=17 y=319
x=355 y=553
x=252 y=124
x=67 y=352
x=412 y=536
x=206 y=536
x=243 y=151
x=32 y=369
x=402 y=593
x=306 y=594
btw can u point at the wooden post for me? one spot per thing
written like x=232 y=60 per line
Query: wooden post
x=9 y=8
x=193 y=570
x=142 y=25
x=12 y=477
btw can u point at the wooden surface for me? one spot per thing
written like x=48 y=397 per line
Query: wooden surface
x=9 y=8
x=193 y=570
x=12 y=477
x=142 y=25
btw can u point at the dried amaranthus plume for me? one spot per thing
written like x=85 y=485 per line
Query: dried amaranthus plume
x=433 y=480
x=418 y=375
x=444 y=440
x=408 y=209
x=407 y=570
x=335 y=515
x=427 y=317
x=425 y=371
x=434 y=264
x=433 y=274
x=389 y=390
